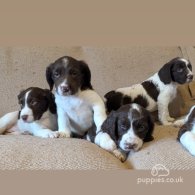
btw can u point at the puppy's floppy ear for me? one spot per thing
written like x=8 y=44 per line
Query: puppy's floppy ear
x=110 y=125
x=51 y=99
x=149 y=136
x=49 y=76
x=165 y=72
x=184 y=129
x=86 y=80
x=19 y=113
x=20 y=96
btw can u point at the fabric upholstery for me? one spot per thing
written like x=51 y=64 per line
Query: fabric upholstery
x=31 y=153
x=165 y=150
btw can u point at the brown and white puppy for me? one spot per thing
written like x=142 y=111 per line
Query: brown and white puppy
x=37 y=115
x=156 y=92
x=79 y=107
x=125 y=130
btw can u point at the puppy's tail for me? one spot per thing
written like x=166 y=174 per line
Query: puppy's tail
x=8 y=120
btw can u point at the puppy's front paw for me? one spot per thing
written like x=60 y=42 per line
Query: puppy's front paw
x=51 y=134
x=48 y=134
x=107 y=143
x=54 y=134
x=167 y=123
x=178 y=123
x=170 y=119
x=63 y=134
x=119 y=155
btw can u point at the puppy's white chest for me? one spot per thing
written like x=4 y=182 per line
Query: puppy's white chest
x=79 y=112
x=171 y=92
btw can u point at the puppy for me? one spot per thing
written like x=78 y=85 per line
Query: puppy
x=186 y=134
x=37 y=115
x=127 y=128
x=79 y=107
x=156 y=92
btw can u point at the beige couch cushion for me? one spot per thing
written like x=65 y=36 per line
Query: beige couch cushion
x=29 y=152
x=165 y=150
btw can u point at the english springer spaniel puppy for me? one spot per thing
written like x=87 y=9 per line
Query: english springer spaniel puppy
x=37 y=115
x=79 y=107
x=156 y=92
x=186 y=134
x=126 y=129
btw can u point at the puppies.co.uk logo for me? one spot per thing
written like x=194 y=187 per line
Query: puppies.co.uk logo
x=160 y=170
x=160 y=174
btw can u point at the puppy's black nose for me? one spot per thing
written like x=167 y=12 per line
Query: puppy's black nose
x=190 y=77
x=130 y=146
x=65 y=89
x=24 y=117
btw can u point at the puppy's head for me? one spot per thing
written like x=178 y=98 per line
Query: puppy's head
x=129 y=127
x=34 y=102
x=177 y=70
x=68 y=75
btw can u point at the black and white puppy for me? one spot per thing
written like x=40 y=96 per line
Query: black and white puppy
x=37 y=115
x=156 y=92
x=186 y=134
x=128 y=128
x=79 y=107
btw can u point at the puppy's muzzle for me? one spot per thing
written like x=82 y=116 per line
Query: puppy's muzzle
x=130 y=146
x=24 y=117
x=65 y=89
x=190 y=77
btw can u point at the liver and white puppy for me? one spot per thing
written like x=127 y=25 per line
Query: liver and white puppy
x=37 y=115
x=156 y=92
x=79 y=107
x=186 y=134
x=127 y=128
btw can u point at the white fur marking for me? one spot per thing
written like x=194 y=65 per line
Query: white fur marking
x=26 y=110
x=188 y=141
x=136 y=107
x=65 y=60
x=184 y=60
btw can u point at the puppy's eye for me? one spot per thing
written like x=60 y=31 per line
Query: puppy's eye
x=33 y=103
x=180 y=70
x=141 y=128
x=124 y=127
x=74 y=73
x=56 y=74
